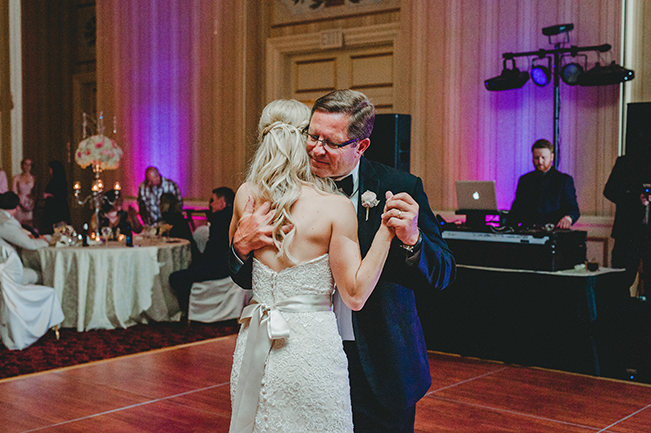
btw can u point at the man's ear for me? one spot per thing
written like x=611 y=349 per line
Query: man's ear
x=363 y=145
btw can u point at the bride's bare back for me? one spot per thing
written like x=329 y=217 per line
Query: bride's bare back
x=327 y=223
x=314 y=214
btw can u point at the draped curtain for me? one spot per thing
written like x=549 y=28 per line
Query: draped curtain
x=170 y=71
x=462 y=131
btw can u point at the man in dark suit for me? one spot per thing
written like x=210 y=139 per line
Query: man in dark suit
x=545 y=195
x=213 y=264
x=384 y=342
x=627 y=187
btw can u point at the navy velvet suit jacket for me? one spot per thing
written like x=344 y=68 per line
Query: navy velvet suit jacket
x=387 y=330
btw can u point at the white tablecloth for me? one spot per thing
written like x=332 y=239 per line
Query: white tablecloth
x=113 y=286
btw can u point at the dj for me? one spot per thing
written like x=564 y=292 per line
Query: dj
x=545 y=195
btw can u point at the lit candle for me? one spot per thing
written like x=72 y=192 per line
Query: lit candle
x=95 y=188
x=115 y=125
x=117 y=186
x=100 y=184
x=77 y=186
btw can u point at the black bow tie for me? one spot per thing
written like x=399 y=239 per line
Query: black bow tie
x=345 y=185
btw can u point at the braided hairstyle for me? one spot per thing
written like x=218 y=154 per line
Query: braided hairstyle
x=281 y=166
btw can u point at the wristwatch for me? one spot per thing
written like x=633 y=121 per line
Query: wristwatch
x=413 y=248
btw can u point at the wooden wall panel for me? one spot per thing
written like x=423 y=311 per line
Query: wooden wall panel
x=638 y=56
x=47 y=84
x=366 y=62
x=318 y=75
x=5 y=91
x=386 y=17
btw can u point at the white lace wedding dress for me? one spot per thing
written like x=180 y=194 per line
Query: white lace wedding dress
x=302 y=386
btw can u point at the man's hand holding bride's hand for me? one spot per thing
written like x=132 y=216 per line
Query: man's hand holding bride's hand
x=401 y=214
x=254 y=229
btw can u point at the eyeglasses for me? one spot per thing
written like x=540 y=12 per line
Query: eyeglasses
x=314 y=139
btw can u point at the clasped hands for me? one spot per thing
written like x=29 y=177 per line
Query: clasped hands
x=254 y=229
x=644 y=199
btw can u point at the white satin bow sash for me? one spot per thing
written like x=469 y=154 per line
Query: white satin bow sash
x=265 y=325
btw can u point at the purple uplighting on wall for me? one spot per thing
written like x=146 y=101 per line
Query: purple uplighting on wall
x=160 y=121
x=152 y=90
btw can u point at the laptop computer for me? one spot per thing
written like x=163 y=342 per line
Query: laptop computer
x=476 y=195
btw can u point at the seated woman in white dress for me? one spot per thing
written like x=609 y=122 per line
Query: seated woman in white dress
x=289 y=369
x=12 y=232
x=27 y=311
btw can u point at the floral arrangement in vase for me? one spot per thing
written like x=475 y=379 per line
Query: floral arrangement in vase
x=98 y=150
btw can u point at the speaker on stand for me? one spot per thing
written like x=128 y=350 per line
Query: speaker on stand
x=638 y=128
x=391 y=140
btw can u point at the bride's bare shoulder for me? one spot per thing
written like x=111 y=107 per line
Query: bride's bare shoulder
x=242 y=197
x=245 y=188
x=245 y=191
x=329 y=202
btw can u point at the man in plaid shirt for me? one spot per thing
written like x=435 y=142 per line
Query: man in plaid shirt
x=149 y=193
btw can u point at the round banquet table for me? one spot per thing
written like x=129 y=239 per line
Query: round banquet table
x=111 y=285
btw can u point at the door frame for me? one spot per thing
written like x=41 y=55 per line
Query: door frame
x=280 y=48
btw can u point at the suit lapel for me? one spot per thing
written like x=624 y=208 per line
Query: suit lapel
x=368 y=181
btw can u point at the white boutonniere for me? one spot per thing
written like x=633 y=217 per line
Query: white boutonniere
x=369 y=200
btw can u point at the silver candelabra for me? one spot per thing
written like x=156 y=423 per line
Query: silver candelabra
x=97 y=197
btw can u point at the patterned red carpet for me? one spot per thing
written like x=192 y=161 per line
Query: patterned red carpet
x=81 y=347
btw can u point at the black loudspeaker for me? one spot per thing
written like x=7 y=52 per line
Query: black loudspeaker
x=391 y=140
x=638 y=128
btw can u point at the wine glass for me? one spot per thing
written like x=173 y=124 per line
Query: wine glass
x=106 y=232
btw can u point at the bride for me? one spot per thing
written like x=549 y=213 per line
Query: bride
x=289 y=368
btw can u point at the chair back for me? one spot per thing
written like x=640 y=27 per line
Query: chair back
x=10 y=265
x=201 y=235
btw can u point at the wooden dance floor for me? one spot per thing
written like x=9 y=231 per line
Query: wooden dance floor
x=185 y=389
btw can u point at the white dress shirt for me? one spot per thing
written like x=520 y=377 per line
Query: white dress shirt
x=12 y=233
x=342 y=312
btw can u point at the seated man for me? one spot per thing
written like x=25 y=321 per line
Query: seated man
x=545 y=195
x=114 y=216
x=177 y=225
x=214 y=263
x=150 y=192
x=12 y=232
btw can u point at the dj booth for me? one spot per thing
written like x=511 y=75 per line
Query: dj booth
x=539 y=250
x=519 y=299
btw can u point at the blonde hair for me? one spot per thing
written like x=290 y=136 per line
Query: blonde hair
x=281 y=166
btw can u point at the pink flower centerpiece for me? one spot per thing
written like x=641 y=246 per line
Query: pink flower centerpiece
x=99 y=151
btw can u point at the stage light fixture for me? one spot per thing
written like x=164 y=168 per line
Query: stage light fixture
x=570 y=73
x=558 y=29
x=541 y=75
x=508 y=79
x=605 y=75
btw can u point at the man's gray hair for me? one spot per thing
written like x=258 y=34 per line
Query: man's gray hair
x=360 y=109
